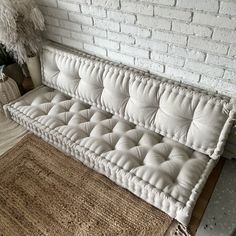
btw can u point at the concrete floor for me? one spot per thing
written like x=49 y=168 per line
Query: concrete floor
x=220 y=216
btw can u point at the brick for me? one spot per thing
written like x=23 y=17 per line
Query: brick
x=94 y=31
x=214 y=20
x=221 y=61
x=232 y=51
x=95 y=50
x=46 y=3
x=228 y=36
x=110 y=4
x=186 y=53
x=207 y=45
x=228 y=8
x=134 y=51
x=124 y=38
x=85 y=20
x=191 y=29
x=82 y=37
x=72 y=43
x=162 y=2
x=152 y=45
x=172 y=13
x=135 y=30
x=170 y=37
x=70 y=25
x=77 y=1
x=51 y=20
x=182 y=74
x=167 y=59
x=218 y=85
x=128 y=60
x=146 y=64
x=106 y=43
x=121 y=17
x=106 y=25
x=202 y=68
x=209 y=82
x=226 y=87
x=203 y=5
x=58 y=31
x=68 y=6
x=153 y=22
x=53 y=37
x=137 y=7
x=165 y=2
x=230 y=75
x=93 y=11
x=58 y=13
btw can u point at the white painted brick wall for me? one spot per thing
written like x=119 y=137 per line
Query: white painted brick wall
x=186 y=53
x=68 y=6
x=204 y=5
x=172 y=13
x=110 y=4
x=51 y=20
x=167 y=59
x=232 y=51
x=121 y=17
x=207 y=45
x=133 y=51
x=228 y=8
x=191 y=29
x=119 y=37
x=51 y=3
x=65 y=24
x=193 y=41
x=72 y=43
x=81 y=19
x=225 y=35
x=108 y=43
x=149 y=65
x=106 y=25
x=135 y=30
x=151 y=22
x=177 y=73
x=87 y=38
x=137 y=7
x=169 y=37
x=151 y=45
x=214 y=20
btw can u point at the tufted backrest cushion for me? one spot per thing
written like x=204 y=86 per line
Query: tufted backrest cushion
x=189 y=116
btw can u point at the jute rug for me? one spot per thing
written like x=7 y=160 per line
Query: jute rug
x=44 y=192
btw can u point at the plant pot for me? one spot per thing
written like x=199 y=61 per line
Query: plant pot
x=33 y=65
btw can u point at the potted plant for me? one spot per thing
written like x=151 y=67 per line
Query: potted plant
x=21 y=24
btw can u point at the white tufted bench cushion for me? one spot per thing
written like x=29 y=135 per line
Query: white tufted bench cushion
x=185 y=114
x=157 y=138
x=163 y=172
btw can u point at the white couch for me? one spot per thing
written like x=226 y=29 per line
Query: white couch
x=154 y=137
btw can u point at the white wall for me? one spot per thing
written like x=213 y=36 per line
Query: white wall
x=193 y=41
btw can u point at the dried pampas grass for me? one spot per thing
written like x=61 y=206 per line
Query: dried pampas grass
x=21 y=23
